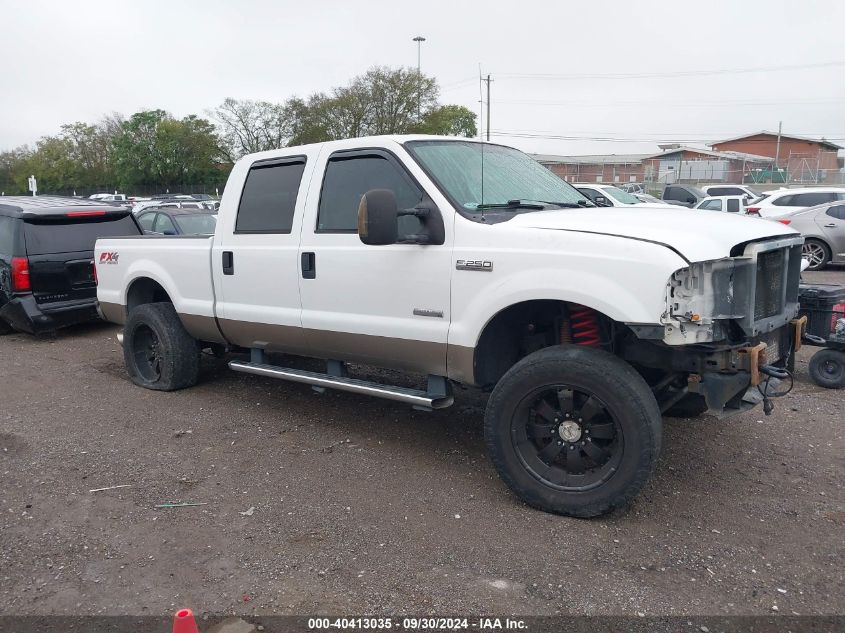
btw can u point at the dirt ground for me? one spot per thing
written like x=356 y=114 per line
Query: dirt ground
x=341 y=504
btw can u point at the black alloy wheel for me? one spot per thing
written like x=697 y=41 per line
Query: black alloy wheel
x=566 y=438
x=145 y=349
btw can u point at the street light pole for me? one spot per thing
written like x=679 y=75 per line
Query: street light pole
x=419 y=39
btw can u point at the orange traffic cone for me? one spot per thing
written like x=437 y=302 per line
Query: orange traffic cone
x=183 y=622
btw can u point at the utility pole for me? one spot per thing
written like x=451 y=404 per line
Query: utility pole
x=777 y=149
x=419 y=39
x=488 y=80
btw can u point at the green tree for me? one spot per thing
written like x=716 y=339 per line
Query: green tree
x=449 y=120
x=12 y=167
x=187 y=151
x=154 y=149
x=135 y=152
x=90 y=147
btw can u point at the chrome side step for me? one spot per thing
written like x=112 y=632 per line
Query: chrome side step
x=415 y=397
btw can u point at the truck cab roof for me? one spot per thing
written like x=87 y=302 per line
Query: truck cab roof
x=34 y=207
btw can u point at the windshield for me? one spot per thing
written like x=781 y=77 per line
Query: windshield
x=457 y=167
x=199 y=224
x=621 y=196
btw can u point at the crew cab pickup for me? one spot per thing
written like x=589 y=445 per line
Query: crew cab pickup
x=469 y=263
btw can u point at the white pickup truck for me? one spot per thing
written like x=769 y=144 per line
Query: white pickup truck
x=468 y=262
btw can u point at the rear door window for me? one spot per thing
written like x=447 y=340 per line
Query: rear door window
x=44 y=238
x=837 y=211
x=733 y=205
x=724 y=191
x=268 y=200
x=812 y=199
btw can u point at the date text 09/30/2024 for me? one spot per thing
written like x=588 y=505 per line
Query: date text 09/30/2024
x=416 y=624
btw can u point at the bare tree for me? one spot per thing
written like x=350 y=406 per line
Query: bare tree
x=247 y=126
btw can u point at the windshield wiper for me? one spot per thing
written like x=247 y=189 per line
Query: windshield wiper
x=538 y=205
x=513 y=204
x=572 y=205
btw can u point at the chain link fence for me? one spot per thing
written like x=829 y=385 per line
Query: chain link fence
x=793 y=169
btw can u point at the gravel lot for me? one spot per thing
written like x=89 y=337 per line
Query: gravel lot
x=340 y=504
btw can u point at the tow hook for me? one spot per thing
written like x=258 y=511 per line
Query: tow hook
x=756 y=359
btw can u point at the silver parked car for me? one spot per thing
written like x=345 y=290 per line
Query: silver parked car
x=823 y=228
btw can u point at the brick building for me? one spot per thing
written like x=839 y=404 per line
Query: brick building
x=804 y=159
x=679 y=163
x=608 y=168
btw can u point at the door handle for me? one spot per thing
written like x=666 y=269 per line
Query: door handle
x=830 y=226
x=228 y=263
x=309 y=266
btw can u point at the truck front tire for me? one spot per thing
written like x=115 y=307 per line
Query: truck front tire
x=573 y=430
x=159 y=353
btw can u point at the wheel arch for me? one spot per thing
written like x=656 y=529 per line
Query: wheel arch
x=143 y=290
x=518 y=330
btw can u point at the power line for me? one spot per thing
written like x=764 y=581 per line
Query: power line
x=461 y=82
x=707 y=104
x=682 y=73
x=618 y=139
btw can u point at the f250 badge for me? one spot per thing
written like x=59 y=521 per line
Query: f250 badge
x=475 y=264
x=109 y=258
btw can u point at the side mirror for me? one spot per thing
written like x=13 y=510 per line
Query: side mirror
x=169 y=232
x=378 y=213
x=601 y=201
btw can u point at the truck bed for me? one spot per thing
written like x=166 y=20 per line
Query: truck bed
x=182 y=264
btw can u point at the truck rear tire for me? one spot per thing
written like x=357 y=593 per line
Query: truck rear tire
x=827 y=368
x=573 y=430
x=158 y=352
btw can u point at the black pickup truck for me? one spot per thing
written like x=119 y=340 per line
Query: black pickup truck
x=47 y=275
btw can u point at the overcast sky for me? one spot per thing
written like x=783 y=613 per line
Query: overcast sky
x=76 y=60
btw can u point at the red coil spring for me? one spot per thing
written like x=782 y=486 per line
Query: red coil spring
x=585 y=326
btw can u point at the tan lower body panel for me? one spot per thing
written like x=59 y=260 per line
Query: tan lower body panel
x=423 y=357
x=288 y=339
x=461 y=361
x=113 y=312
x=203 y=328
x=394 y=353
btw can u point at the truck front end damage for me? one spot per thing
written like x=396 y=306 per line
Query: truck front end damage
x=729 y=326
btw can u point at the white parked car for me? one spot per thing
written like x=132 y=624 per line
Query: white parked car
x=108 y=197
x=731 y=190
x=610 y=196
x=727 y=204
x=783 y=201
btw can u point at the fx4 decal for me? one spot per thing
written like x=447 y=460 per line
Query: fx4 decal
x=109 y=258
